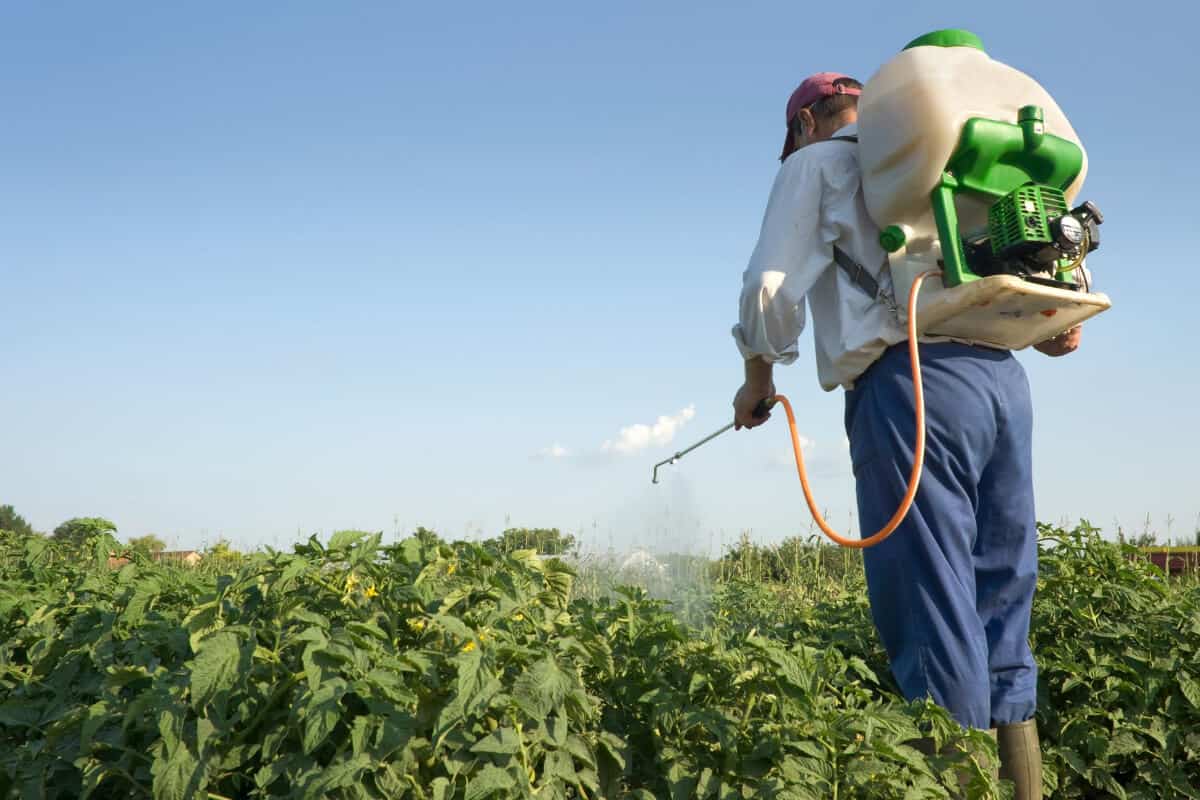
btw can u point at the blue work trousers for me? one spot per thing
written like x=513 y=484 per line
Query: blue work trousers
x=952 y=588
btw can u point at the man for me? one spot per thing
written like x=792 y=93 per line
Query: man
x=952 y=588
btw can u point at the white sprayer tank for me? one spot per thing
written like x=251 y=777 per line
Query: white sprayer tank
x=910 y=118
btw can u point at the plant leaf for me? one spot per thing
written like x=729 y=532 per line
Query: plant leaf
x=215 y=667
x=487 y=782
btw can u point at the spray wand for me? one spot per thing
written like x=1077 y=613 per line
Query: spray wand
x=760 y=410
x=919 y=449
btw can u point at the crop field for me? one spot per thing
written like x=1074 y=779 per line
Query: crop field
x=433 y=670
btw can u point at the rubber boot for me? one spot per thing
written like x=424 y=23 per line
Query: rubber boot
x=1021 y=758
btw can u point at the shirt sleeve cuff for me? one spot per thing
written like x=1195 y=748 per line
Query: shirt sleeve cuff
x=771 y=357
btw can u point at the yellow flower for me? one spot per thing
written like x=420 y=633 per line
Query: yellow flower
x=371 y=592
x=858 y=737
x=351 y=579
x=450 y=569
x=469 y=646
x=519 y=617
x=417 y=624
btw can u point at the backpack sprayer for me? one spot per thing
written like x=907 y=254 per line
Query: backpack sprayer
x=971 y=169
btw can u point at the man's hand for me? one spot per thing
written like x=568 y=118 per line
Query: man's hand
x=745 y=401
x=758 y=386
x=1065 y=342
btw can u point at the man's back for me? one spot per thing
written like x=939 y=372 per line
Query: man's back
x=816 y=203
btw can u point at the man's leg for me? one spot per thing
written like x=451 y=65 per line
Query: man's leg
x=1005 y=553
x=921 y=579
x=1005 y=578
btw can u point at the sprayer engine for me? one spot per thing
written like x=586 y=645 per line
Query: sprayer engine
x=1031 y=234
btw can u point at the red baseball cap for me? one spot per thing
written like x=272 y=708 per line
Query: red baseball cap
x=814 y=88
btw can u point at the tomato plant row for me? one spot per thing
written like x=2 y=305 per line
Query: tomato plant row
x=439 y=671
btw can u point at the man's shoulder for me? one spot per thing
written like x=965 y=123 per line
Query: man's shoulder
x=837 y=153
x=824 y=166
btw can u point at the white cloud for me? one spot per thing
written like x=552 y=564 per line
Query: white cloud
x=555 y=450
x=637 y=437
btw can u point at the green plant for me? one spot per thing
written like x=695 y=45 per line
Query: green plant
x=438 y=671
x=1118 y=647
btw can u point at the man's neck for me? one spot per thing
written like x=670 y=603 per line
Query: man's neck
x=844 y=120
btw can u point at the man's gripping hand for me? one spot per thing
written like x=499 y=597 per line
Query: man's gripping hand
x=1065 y=342
x=758 y=386
x=745 y=401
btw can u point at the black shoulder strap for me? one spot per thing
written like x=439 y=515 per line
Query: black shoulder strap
x=841 y=139
x=856 y=272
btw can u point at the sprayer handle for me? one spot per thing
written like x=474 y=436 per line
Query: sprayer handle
x=763 y=407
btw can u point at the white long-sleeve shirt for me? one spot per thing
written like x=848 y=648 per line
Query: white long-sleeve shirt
x=816 y=202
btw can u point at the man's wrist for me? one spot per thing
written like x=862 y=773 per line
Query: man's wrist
x=759 y=373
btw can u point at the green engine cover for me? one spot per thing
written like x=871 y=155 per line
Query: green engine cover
x=1019 y=221
x=1013 y=165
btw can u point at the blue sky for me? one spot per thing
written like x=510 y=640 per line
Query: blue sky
x=291 y=267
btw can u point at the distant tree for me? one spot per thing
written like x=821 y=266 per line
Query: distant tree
x=793 y=560
x=543 y=540
x=10 y=520
x=77 y=531
x=427 y=536
x=220 y=547
x=221 y=555
x=148 y=543
x=1144 y=539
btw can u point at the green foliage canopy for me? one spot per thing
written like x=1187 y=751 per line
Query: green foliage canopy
x=10 y=520
x=544 y=540
x=78 y=530
x=148 y=543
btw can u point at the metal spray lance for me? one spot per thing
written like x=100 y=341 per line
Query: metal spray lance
x=760 y=410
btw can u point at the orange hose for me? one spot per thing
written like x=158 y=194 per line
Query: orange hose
x=914 y=477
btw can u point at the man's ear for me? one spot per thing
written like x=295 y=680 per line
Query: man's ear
x=806 y=122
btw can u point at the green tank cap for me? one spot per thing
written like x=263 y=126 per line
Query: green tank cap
x=892 y=238
x=1033 y=127
x=951 y=37
x=1031 y=114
